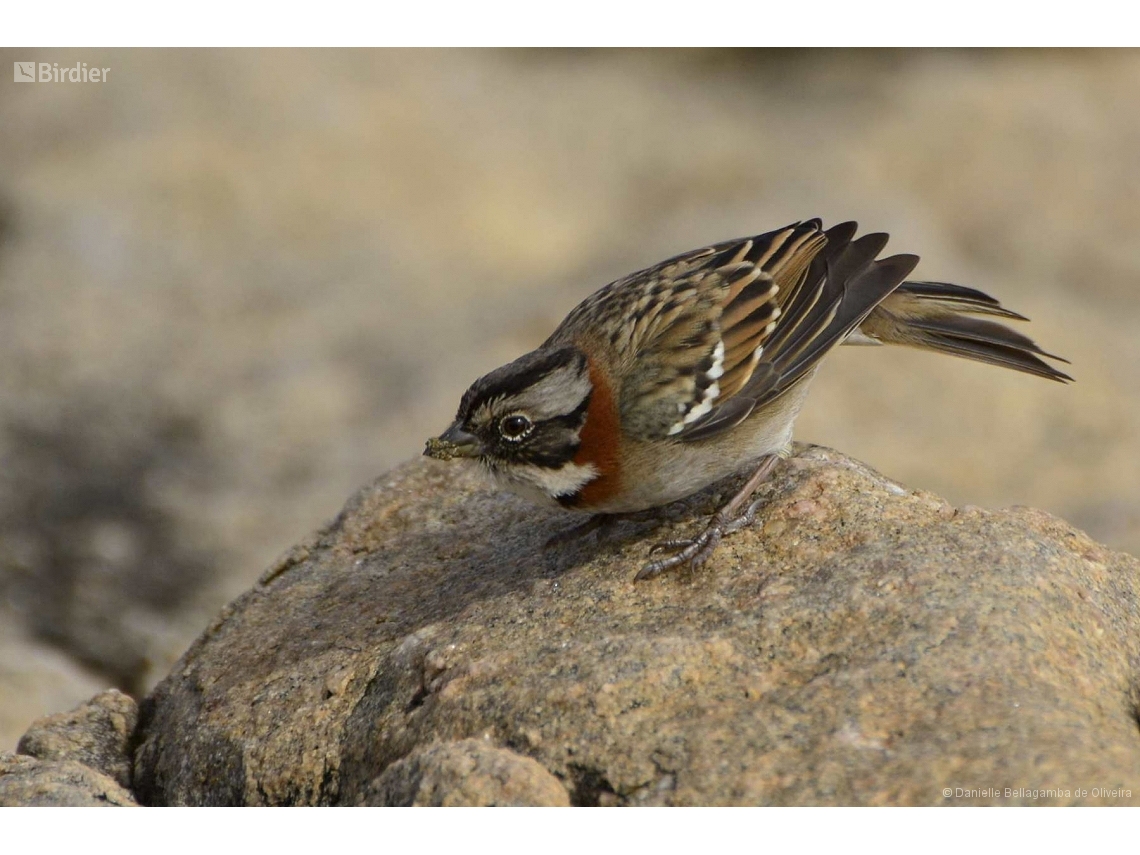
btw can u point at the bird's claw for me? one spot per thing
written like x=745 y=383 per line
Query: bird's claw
x=693 y=552
x=696 y=551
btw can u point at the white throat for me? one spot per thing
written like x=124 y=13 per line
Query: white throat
x=542 y=486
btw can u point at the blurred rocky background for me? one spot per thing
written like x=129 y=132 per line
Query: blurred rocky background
x=235 y=285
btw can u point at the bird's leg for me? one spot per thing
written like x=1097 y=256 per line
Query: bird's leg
x=728 y=519
x=600 y=522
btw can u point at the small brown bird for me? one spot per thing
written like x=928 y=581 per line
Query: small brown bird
x=679 y=375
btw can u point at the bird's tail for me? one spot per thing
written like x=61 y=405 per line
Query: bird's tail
x=944 y=317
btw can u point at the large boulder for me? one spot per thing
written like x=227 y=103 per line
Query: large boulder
x=861 y=643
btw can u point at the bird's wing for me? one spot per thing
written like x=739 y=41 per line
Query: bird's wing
x=706 y=337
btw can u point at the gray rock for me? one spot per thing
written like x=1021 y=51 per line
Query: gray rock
x=28 y=782
x=97 y=734
x=466 y=773
x=861 y=644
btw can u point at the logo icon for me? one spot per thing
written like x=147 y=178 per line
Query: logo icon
x=24 y=72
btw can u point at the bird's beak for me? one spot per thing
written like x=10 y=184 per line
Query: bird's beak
x=453 y=442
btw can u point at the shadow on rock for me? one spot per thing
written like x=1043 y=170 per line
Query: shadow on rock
x=860 y=644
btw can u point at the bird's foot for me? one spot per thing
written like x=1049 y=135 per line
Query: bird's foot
x=696 y=551
x=728 y=519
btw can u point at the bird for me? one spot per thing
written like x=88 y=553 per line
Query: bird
x=680 y=375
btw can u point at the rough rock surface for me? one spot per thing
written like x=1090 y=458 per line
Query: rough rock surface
x=97 y=734
x=861 y=644
x=28 y=782
x=466 y=773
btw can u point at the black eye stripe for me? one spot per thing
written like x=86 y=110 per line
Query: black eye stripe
x=575 y=419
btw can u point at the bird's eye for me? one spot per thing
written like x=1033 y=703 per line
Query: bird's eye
x=515 y=427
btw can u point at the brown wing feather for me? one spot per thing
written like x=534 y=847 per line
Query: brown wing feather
x=751 y=314
x=698 y=341
x=841 y=286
